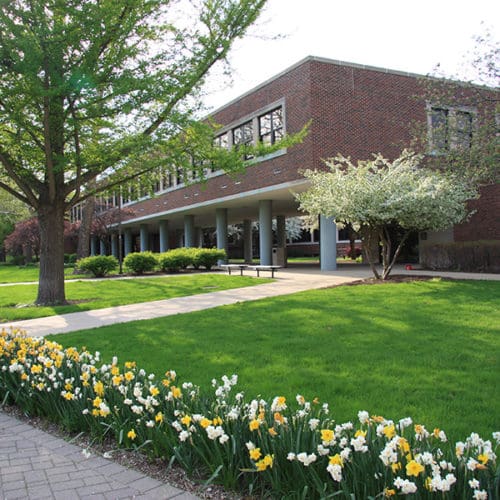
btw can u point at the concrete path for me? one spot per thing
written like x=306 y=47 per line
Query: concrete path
x=37 y=465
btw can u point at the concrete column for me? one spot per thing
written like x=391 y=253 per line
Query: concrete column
x=281 y=231
x=189 y=231
x=144 y=236
x=163 y=236
x=127 y=242
x=114 y=245
x=328 y=243
x=221 y=229
x=247 y=241
x=266 y=232
x=93 y=245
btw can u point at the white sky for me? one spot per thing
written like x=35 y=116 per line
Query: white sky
x=404 y=35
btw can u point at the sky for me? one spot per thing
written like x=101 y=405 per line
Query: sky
x=412 y=36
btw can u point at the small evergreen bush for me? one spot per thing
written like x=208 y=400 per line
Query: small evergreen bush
x=98 y=265
x=175 y=259
x=70 y=258
x=140 y=262
x=208 y=257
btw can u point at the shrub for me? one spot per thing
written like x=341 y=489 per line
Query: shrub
x=268 y=449
x=98 y=265
x=70 y=258
x=473 y=256
x=177 y=258
x=140 y=262
x=208 y=257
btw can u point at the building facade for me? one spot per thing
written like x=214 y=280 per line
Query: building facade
x=353 y=110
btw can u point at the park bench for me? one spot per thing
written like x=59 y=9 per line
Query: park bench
x=232 y=267
x=273 y=269
x=242 y=267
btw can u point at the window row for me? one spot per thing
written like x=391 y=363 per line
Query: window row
x=267 y=128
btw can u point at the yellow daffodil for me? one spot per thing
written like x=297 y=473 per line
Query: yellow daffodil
x=254 y=424
x=255 y=454
x=131 y=434
x=327 y=435
x=205 y=422
x=413 y=468
x=186 y=420
x=395 y=467
x=389 y=431
x=99 y=388
x=336 y=460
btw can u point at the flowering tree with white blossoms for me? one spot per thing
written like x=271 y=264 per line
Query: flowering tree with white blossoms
x=377 y=194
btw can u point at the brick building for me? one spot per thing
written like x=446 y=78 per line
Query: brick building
x=354 y=110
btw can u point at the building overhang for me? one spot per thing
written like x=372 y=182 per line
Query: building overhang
x=240 y=206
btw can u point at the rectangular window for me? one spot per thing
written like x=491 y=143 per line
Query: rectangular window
x=166 y=179
x=221 y=141
x=463 y=129
x=243 y=136
x=271 y=126
x=439 y=130
x=450 y=128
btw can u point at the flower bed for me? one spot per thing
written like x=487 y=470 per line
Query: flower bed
x=255 y=446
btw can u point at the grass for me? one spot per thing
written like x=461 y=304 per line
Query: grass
x=16 y=301
x=429 y=350
x=27 y=274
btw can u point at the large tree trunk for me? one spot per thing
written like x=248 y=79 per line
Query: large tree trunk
x=51 y=281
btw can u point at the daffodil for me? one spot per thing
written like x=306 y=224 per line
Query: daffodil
x=413 y=468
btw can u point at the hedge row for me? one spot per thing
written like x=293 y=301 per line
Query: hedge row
x=144 y=262
x=469 y=256
x=265 y=448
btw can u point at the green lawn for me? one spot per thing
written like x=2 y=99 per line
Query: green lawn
x=429 y=350
x=16 y=301
x=26 y=274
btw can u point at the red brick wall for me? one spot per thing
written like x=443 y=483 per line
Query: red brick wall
x=485 y=223
x=355 y=111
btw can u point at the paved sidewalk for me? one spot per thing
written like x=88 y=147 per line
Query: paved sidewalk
x=37 y=465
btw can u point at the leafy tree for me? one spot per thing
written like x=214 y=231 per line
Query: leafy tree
x=11 y=211
x=99 y=91
x=104 y=222
x=377 y=194
x=25 y=238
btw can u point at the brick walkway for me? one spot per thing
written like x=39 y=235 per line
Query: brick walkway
x=37 y=465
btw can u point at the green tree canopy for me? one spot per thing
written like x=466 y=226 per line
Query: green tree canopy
x=100 y=90
x=376 y=194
